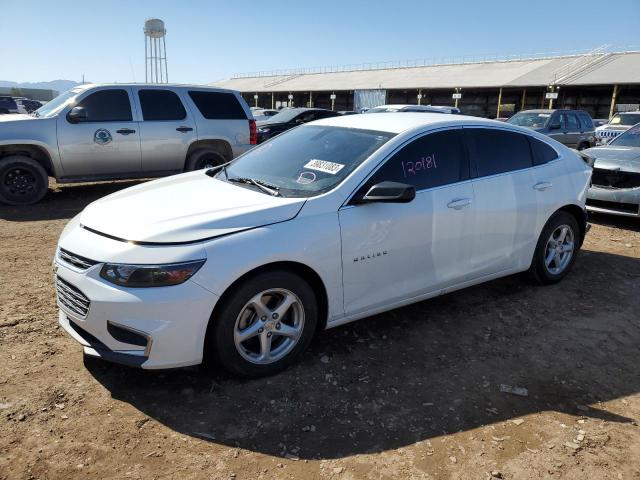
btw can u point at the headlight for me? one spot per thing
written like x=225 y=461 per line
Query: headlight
x=140 y=276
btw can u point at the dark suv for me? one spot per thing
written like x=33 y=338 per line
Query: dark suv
x=573 y=128
x=8 y=104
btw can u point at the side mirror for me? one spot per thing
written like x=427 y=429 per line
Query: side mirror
x=77 y=115
x=554 y=126
x=390 y=192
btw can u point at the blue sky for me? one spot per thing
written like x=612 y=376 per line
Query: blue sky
x=210 y=40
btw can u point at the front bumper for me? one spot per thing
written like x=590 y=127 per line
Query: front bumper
x=166 y=325
x=615 y=201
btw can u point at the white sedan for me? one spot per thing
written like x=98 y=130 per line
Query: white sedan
x=327 y=223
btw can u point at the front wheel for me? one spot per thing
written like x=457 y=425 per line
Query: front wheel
x=556 y=249
x=264 y=324
x=23 y=181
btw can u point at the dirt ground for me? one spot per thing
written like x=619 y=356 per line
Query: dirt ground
x=412 y=393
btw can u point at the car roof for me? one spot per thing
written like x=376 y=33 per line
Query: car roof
x=402 y=121
x=87 y=86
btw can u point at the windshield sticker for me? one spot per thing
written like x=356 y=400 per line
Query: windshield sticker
x=423 y=164
x=324 y=166
x=544 y=115
x=306 y=177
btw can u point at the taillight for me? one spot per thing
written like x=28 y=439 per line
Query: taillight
x=253 y=133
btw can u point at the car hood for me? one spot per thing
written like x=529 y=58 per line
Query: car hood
x=16 y=117
x=185 y=208
x=612 y=157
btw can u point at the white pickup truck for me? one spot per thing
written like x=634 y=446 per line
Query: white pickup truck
x=107 y=132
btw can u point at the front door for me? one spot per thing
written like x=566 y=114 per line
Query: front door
x=395 y=251
x=107 y=142
x=166 y=129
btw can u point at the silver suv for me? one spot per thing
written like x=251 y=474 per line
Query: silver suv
x=106 y=132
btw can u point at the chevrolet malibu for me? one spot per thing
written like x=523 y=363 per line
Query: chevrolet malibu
x=331 y=222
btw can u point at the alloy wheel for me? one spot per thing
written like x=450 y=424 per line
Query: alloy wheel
x=269 y=326
x=559 y=250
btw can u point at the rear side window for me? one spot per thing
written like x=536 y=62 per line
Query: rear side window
x=586 y=121
x=433 y=160
x=161 y=105
x=107 y=106
x=497 y=151
x=218 y=105
x=542 y=153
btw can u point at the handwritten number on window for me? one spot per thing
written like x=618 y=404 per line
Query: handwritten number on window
x=424 y=164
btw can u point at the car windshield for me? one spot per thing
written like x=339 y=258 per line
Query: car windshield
x=530 y=119
x=285 y=115
x=630 y=138
x=383 y=110
x=625 y=119
x=54 y=106
x=307 y=161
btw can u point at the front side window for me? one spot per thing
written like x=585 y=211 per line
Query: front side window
x=107 y=106
x=161 y=105
x=218 y=105
x=308 y=160
x=430 y=161
x=572 y=121
x=54 y=106
x=495 y=151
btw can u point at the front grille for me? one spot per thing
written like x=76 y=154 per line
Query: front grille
x=614 y=206
x=71 y=298
x=76 y=260
x=614 y=179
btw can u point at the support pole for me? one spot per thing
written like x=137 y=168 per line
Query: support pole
x=255 y=97
x=273 y=105
x=419 y=97
x=614 y=97
x=499 y=102
x=524 y=99
x=551 y=99
x=310 y=100
x=333 y=103
x=146 y=60
x=166 y=68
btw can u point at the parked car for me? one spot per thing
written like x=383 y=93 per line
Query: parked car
x=327 y=223
x=618 y=124
x=262 y=114
x=106 y=132
x=8 y=104
x=413 y=108
x=573 y=128
x=28 y=105
x=615 y=185
x=289 y=118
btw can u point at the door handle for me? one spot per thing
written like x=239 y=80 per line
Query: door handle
x=184 y=129
x=125 y=131
x=541 y=186
x=459 y=203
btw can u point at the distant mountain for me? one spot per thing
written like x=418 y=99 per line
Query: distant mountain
x=59 y=85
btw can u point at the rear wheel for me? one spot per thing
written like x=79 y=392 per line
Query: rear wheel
x=23 y=181
x=556 y=249
x=201 y=159
x=264 y=324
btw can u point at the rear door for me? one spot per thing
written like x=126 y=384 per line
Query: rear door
x=107 y=142
x=551 y=181
x=506 y=211
x=395 y=251
x=167 y=129
x=221 y=115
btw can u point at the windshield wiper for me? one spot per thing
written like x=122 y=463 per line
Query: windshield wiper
x=265 y=187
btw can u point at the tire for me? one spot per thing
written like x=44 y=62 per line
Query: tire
x=23 y=181
x=204 y=159
x=237 y=316
x=543 y=272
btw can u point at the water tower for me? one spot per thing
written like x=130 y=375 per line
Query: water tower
x=155 y=51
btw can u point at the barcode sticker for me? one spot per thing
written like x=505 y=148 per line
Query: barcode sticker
x=324 y=166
